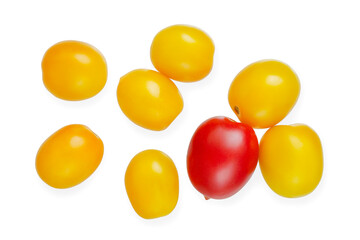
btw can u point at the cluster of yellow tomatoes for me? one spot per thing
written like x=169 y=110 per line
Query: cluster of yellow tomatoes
x=261 y=95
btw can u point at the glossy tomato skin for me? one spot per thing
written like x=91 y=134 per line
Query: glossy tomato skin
x=152 y=184
x=183 y=53
x=149 y=99
x=291 y=159
x=263 y=93
x=69 y=156
x=74 y=70
x=222 y=156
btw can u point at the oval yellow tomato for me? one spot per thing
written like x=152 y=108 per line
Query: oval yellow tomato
x=69 y=156
x=152 y=184
x=149 y=99
x=183 y=53
x=74 y=70
x=291 y=159
x=263 y=93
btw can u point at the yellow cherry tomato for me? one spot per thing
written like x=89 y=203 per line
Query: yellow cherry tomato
x=149 y=99
x=263 y=93
x=69 y=156
x=183 y=53
x=74 y=70
x=291 y=159
x=152 y=184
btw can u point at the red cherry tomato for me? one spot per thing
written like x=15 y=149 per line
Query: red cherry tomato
x=222 y=156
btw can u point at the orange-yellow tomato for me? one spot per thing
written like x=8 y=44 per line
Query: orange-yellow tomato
x=149 y=99
x=263 y=93
x=69 y=156
x=183 y=53
x=152 y=184
x=74 y=70
x=291 y=159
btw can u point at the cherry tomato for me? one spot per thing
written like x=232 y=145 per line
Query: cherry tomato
x=149 y=99
x=69 y=156
x=222 y=156
x=74 y=70
x=152 y=184
x=183 y=53
x=291 y=159
x=263 y=93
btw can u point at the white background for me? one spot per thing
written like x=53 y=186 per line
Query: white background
x=318 y=39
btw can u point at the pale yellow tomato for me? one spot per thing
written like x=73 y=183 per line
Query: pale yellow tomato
x=149 y=99
x=291 y=159
x=263 y=93
x=183 y=53
x=152 y=184
x=74 y=70
x=69 y=156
